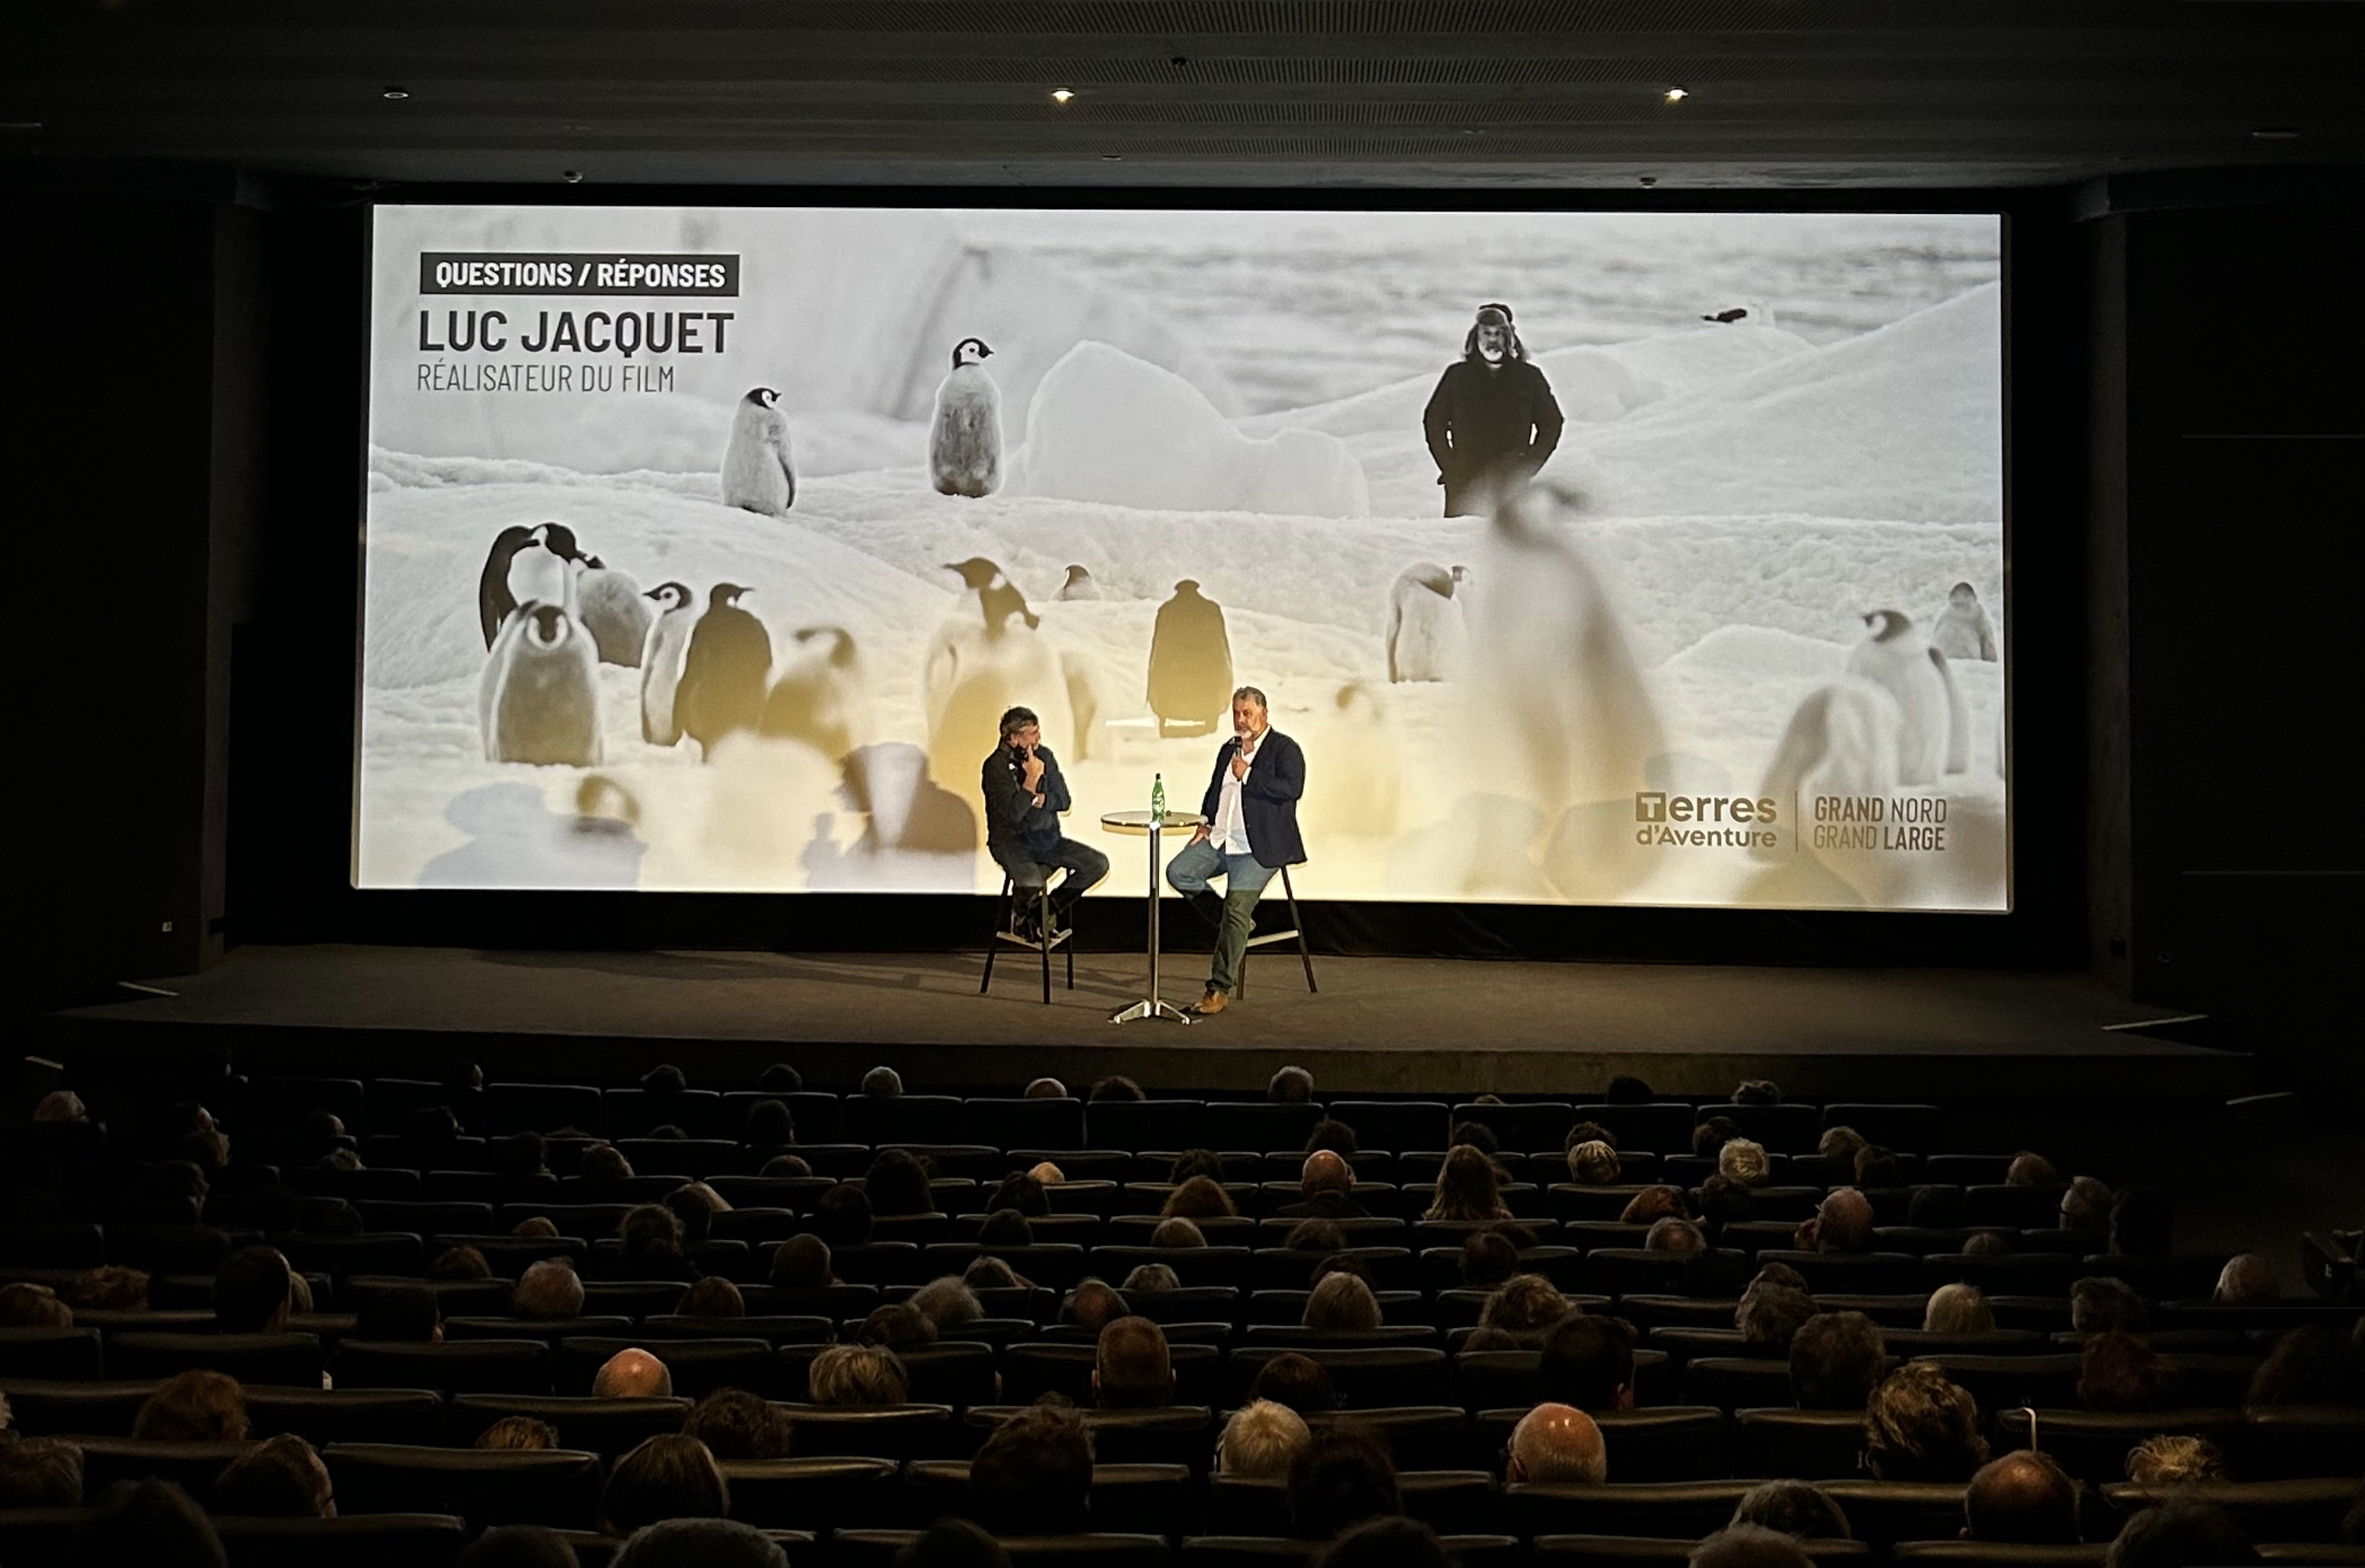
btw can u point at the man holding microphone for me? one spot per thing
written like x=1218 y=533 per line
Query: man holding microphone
x=1024 y=793
x=1250 y=831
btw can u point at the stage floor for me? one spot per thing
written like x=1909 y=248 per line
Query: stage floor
x=1379 y=1025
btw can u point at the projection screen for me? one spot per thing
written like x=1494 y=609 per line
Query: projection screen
x=1607 y=559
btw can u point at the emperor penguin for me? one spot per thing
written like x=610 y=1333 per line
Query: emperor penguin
x=543 y=570
x=1427 y=633
x=1963 y=630
x=758 y=473
x=613 y=609
x=538 y=700
x=989 y=655
x=725 y=671
x=494 y=600
x=1190 y=663
x=1080 y=585
x=965 y=436
x=1934 y=731
x=661 y=656
x=818 y=698
x=1842 y=739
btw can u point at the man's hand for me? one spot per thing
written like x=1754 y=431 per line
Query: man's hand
x=1031 y=774
x=1198 y=834
x=1239 y=765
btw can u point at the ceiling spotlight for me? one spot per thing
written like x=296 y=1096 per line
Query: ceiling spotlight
x=2277 y=133
x=1060 y=95
x=1650 y=180
x=572 y=176
x=1677 y=94
x=395 y=95
x=1112 y=157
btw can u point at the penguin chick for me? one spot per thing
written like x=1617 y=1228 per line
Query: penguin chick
x=1427 y=631
x=964 y=434
x=1934 y=734
x=818 y=698
x=726 y=671
x=610 y=604
x=1963 y=630
x=758 y=473
x=661 y=658
x=538 y=701
x=1080 y=585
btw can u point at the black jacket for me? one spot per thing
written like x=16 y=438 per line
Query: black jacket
x=1011 y=815
x=1483 y=417
x=1268 y=797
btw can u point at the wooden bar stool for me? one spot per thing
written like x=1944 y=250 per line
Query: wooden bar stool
x=1295 y=933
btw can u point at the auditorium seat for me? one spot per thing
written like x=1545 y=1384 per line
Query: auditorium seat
x=1736 y=1383
x=682 y=1160
x=1997 y=1382
x=1624 y=1270
x=1245 y=1550
x=1171 y=1434
x=1392 y=1375
x=267 y=1102
x=1144 y=1123
x=359 y=1186
x=559 y=1487
x=878 y=1263
x=893 y=1431
x=1783 y=1128
x=1520 y=1124
x=815 y=1494
x=1855 y=1273
x=2278 y=1442
x=772 y=1328
x=2308 y=1509
x=1997 y=1554
x=321 y=1416
x=1393 y=1124
x=1051 y=1126
x=1664 y=1127
x=452 y=1367
x=191 y=1466
x=384 y=1252
x=632 y=1114
x=881 y=1119
x=51 y=1353
x=1668 y=1442
x=602 y=1425
x=42 y=1407
x=356 y=1540
x=1295 y=1337
x=422 y=1218
x=878 y=1549
x=1646 y=1551
x=2004 y=1273
x=1148 y=1497
x=55 y=1246
x=1248 y=1506
x=1031 y=1371
x=1282 y=1269
x=389 y=1102
x=1675 y=1509
x=699 y=1367
x=40 y=1537
x=1192 y=1265
x=1419 y=1437
x=290 y=1359
x=1915 y=1343
x=1886 y=1512
x=2092 y=1445
x=1647 y=1311
x=548 y=1330
x=961 y=1373
x=1775 y=1441
x=795 y=1193
x=543 y=1108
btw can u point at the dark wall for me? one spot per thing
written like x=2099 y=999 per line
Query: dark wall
x=2242 y=441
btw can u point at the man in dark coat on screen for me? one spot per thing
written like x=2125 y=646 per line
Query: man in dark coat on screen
x=1491 y=422
x=1250 y=831
x=1024 y=793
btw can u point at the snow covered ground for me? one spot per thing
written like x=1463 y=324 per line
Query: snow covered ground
x=1743 y=496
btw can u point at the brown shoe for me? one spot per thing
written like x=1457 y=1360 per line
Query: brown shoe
x=1210 y=1005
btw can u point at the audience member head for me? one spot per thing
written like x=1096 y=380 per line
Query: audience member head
x=1836 y=1360
x=883 y=1081
x=631 y=1374
x=250 y=1291
x=1048 y=1173
x=1793 y=1507
x=801 y=1263
x=1093 y=1305
x=1325 y=1170
x=1149 y=1279
x=1200 y=1197
x=60 y=1105
x=1957 y=1309
x=1593 y=1163
x=1290 y=1086
x=523 y=1154
x=1340 y=1478
x=1743 y=1160
x=110 y=1287
x=534 y=1227
x=1475 y=1135
x=1627 y=1090
x=1878 y=1167
x=1919 y=1425
x=1043 y=1088
x=1019 y=1191
x=43 y=1473
x=2029 y=1168
x=399 y=1312
x=2142 y=1221
x=1757 y=1091
x=152 y=1523
x=897 y=1184
x=1488 y=1258
x=1314 y=1236
x=734 y=1424
x=1750 y=1546
x=2248 y=1279
x=1034 y=1474
x=1131 y=1367
x=1771 y=1314
x=858 y=1377
x=841 y=1216
x=1117 y=1087
x=2182 y=1532
x=194 y=1407
x=770 y=1125
x=2119 y=1372
x=782 y=1165
x=280 y=1478
x=951 y=1543
x=1524 y=1303
x=991 y=1274
x=1467 y=1187
x=1936 y=1206
x=1341 y=1304
x=1193 y=1162
x=26 y=1305
x=1986 y=1244
x=713 y=1296
x=2098 y=1305
x=2025 y=1497
x=781 y=1079
x=1655 y=1203
x=1673 y=1235
x=518 y=1432
x=947 y=1303
x=1557 y=1442
x=898 y=1326
x=1006 y=1228
x=1335 y=1136
x=1588 y=1363
x=672 y=1477
x=2166 y=1460
x=1842 y=1223
x=549 y=1290
x=2309 y=1366
x=1299 y=1382
x=1389 y=1541
x=603 y=1165
x=1723 y=1201
x=1710 y=1134
x=2086 y=1207
x=1259 y=1440
x=1840 y=1143
x=1177 y=1233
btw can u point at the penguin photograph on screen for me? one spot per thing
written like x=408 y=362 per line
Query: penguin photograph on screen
x=758 y=473
x=725 y=672
x=613 y=609
x=1427 y=632
x=1963 y=630
x=538 y=700
x=964 y=434
x=818 y=698
x=989 y=653
x=1933 y=736
x=1081 y=585
x=661 y=658
x=494 y=600
x=1190 y=663
x=543 y=570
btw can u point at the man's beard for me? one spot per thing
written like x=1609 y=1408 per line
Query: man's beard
x=1492 y=356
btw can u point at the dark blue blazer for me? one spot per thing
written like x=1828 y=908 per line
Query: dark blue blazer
x=1268 y=797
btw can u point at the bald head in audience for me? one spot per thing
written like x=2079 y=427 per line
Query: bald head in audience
x=1325 y=1170
x=2023 y=1498
x=632 y=1374
x=1842 y=1223
x=1558 y=1442
x=2246 y=1278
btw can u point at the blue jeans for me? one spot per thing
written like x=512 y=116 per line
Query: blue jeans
x=1244 y=879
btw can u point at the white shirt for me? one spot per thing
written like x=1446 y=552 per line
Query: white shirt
x=1230 y=833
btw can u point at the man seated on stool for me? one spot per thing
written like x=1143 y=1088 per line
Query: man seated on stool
x=1025 y=794
x=1250 y=833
